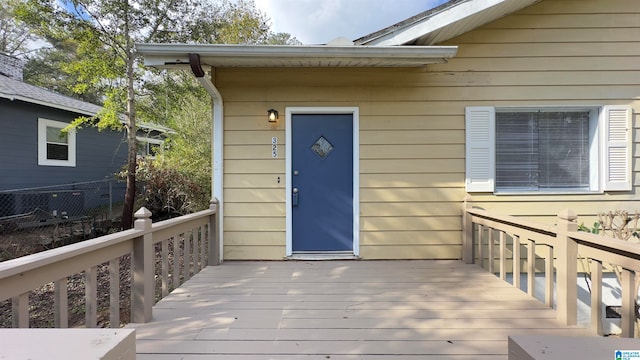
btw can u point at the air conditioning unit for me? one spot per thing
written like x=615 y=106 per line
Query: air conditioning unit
x=63 y=203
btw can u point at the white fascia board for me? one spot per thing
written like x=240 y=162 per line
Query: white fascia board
x=434 y=22
x=161 y=55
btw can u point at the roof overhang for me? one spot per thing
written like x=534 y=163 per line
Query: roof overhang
x=54 y=105
x=444 y=22
x=177 y=55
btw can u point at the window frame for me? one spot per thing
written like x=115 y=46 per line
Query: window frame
x=43 y=160
x=611 y=147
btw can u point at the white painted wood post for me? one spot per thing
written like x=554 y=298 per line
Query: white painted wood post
x=61 y=304
x=503 y=256
x=517 y=263
x=214 y=258
x=567 y=269
x=628 y=321
x=467 y=232
x=114 y=293
x=490 y=255
x=20 y=310
x=549 y=276
x=531 y=268
x=143 y=269
x=91 y=296
x=596 y=297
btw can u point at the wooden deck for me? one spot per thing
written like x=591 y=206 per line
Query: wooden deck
x=342 y=310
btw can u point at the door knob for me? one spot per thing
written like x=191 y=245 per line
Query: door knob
x=294 y=197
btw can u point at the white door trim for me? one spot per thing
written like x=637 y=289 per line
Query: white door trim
x=354 y=111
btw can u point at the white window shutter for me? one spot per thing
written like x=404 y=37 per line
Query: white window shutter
x=480 y=149
x=617 y=148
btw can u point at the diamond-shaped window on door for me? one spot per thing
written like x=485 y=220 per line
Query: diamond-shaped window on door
x=322 y=147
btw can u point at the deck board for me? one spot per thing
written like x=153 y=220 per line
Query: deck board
x=343 y=310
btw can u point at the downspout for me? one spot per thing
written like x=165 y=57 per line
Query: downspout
x=217 y=143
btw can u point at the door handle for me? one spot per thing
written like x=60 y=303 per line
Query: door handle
x=294 y=196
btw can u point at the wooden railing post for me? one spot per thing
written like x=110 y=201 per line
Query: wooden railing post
x=567 y=269
x=596 y=297
x=629 y=296
x=214 y=241
x=143 y=269
x=467 y=233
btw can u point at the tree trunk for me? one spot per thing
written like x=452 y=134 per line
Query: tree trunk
x=130 y=195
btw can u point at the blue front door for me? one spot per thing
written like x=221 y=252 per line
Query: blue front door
x=322 y=182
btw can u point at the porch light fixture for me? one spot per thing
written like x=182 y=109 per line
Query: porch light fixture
x=273 y=115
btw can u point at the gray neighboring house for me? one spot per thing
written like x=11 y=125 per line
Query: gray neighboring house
x=35 y=157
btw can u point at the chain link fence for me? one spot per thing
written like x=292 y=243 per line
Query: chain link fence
x=41 y=218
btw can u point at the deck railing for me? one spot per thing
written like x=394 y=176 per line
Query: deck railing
x=163 y=255
x=554 y=251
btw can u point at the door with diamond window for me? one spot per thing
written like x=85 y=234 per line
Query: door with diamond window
x=322 y=182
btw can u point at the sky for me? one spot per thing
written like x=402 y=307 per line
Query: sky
x=320 y=21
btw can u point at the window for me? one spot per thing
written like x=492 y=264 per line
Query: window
x=55 y=147
x=148 y=147
x=548 y=149
x=537 y=151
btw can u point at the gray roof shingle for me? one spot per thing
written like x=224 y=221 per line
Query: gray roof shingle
x=17 y=90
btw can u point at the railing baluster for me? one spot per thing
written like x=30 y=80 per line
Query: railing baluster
x=480 y=241
x=20 y=309
x=516 y=261
x=61 y=303
x=627 y=282
x=490 y=256
x=503 y=256
x=596 y=296
x=203 y=247
x=531 y=267
x=164 y=263
x=467 y=232
x=214 y=257
x=91 y=297
x=176 y=261
x=114 y=293
x=187 y=255
x=196 y=251
x=548 y=276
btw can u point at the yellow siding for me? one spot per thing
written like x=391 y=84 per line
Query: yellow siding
x=557 y=52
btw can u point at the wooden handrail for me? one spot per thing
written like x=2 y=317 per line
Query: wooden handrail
x=185 y=234
x=565 y=245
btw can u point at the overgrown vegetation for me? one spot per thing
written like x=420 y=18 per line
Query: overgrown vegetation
x=169 y=192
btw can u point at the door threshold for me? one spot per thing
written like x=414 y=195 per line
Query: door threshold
x=306 y=256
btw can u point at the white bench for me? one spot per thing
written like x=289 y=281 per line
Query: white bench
x=535 y=347
x=65 y=344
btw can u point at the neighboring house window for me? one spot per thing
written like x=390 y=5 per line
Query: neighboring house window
x=55 y=147
x=543 y=150
x=148 y=147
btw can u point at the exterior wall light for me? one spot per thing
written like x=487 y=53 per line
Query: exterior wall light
x=273 y=115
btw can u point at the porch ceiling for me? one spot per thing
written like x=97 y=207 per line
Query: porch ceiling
x=177 y=55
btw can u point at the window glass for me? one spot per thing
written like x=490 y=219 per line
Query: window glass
x=542 y=150
x=57 y=148
x=154 y=149
x=55 y=135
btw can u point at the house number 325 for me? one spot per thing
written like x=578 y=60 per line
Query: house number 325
x=274 y=147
